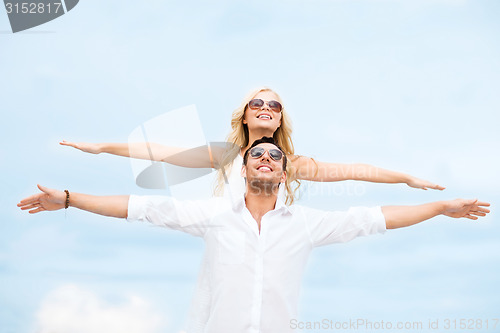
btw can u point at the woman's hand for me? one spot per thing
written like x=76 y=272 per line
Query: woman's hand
x=93 y=148
x=423 y=184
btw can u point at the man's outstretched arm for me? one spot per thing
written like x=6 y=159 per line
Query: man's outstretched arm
x=404 y=216
x=50 y=199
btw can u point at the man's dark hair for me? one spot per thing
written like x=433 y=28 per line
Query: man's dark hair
x=264 y=139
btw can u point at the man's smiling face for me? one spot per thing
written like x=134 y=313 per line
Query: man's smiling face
x=264 y=171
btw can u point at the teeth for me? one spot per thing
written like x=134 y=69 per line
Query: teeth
x=264 y=117
x=264 y=167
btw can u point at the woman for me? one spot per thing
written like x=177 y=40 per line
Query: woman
x=262 y=114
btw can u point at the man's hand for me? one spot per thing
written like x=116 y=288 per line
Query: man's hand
x=93 y=148
x=49 y=199
x=404 y=216
x=470 y=209
x=423 y=184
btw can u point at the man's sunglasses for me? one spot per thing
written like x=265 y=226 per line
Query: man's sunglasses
x=257 y=152
x=257 y=103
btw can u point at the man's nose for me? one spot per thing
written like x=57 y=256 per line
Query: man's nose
x=266 y=156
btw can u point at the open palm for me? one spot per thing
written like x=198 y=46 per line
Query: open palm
x=470 y=209
x=49 y=199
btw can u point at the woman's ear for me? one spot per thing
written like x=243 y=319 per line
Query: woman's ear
x=243 y=171
x=283 y=177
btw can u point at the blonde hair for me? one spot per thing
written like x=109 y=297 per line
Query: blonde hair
x=239 y=137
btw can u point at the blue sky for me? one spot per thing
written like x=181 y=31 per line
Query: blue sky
x=404 y=85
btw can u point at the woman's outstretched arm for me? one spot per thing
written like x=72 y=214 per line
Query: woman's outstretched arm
x=191 y=158
x=141 y=150
x=308 y=169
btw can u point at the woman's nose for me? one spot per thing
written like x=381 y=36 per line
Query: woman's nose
x=265 y=106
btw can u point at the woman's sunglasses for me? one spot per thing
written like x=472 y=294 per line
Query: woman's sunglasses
x=275 y=154
x=257 y=103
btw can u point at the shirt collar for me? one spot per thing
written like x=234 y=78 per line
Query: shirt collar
x=238 y=203
x=280 y=204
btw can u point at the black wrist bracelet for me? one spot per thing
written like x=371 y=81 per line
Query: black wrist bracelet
x=66 y=205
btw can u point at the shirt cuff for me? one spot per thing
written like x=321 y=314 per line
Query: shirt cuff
x=379 y=219
x=136 y=206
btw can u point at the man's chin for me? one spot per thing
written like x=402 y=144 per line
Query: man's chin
x=263 y=185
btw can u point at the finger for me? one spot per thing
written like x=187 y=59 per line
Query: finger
x=43 y=188
x=67 y=143
x=479 y=210
x=39 y=209
x=434 y=186
x=30 y=206
x=470 y=217
x=483 y=203
x=478 y=213
x=469 y=202
x=30 y=199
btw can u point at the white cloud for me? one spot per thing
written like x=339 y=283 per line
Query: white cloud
x=71 y=308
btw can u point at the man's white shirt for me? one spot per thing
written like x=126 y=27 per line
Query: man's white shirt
x=251 y=280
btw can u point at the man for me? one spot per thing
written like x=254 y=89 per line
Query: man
x=256 y=247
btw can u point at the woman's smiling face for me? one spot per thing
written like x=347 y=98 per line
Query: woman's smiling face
x=263 y=118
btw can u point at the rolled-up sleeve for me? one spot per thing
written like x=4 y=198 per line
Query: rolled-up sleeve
x=337 y=227
x=192 y=217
